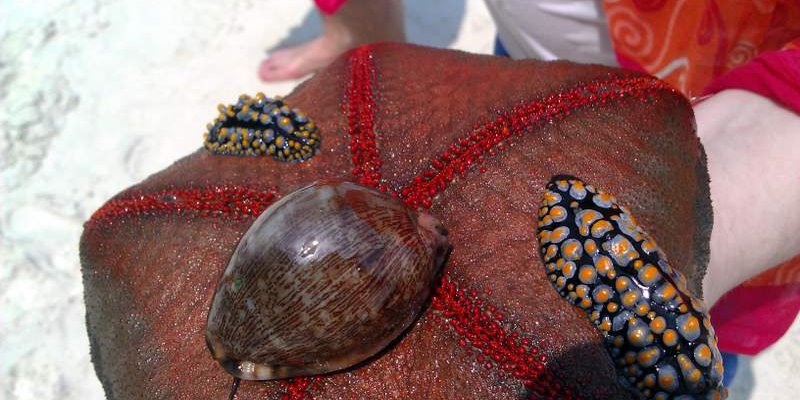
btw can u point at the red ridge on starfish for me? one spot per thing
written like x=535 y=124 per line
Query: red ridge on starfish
x=297 y=388
x=361 y=119
x=470 y=149
x=480 y=325
x=231 y=201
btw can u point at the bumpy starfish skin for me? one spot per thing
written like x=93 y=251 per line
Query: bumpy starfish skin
x=473 y=138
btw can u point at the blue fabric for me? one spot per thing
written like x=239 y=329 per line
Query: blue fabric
x=729 y=361
x=499 y=50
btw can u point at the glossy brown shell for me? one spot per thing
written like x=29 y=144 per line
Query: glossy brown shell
x=324 y=279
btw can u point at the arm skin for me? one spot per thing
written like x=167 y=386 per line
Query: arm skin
x=753 y=149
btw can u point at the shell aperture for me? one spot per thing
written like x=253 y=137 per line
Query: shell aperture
x=597 y=257
x=325 y=278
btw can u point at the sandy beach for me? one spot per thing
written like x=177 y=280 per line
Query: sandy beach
x=95 y=95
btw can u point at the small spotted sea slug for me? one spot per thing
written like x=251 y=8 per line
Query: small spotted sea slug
x=259 y=126
x=598 y=258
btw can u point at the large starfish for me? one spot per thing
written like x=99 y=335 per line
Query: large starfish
x=474 y=139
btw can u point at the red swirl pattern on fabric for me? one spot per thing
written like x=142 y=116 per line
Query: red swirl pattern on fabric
x=694 y=42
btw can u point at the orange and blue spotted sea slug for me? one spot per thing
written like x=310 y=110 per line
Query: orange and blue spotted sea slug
x=260 y=125
x=598 y=258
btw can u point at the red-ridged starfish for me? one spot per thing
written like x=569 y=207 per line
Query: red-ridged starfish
x=472 y=138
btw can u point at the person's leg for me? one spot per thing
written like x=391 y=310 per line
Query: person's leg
x=357 y=22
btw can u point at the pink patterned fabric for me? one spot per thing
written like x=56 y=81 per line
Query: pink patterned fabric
x=773 y=74
x=758 y=312
x=329 y=7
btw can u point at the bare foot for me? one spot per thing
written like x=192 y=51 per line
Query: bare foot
x=357 y=22
x=298 y=61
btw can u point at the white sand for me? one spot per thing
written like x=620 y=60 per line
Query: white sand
x=98 y=94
